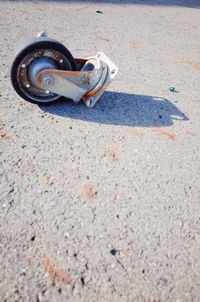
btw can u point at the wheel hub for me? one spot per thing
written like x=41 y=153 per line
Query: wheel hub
x=31 y=65
x=38 y=65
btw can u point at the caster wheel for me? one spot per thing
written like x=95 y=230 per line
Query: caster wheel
x=36 y=55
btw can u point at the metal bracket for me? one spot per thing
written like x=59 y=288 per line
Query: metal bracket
x=88 y=84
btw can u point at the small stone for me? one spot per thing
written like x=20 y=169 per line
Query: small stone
x=39 y=297
x=33 y=238
x=113 y=252
x=48 y=180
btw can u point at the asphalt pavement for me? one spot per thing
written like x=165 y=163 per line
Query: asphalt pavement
x=103 y=204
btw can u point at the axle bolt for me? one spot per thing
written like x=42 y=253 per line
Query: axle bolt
x=48 y=79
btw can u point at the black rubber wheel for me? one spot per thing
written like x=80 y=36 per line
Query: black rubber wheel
x=36 y=48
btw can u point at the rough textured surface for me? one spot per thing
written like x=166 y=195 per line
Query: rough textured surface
x=103 y=204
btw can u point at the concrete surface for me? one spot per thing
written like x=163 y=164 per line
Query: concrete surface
x=103 y=204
